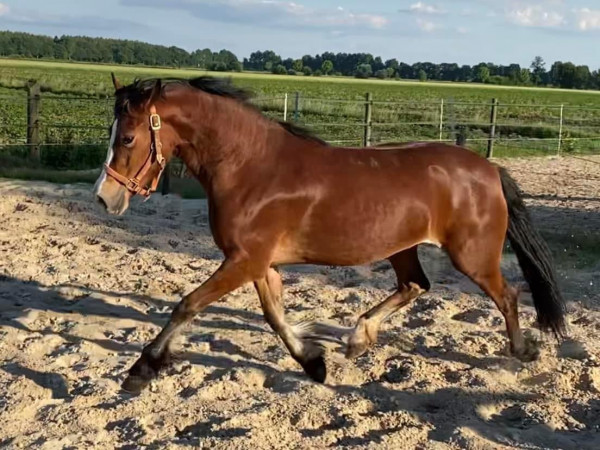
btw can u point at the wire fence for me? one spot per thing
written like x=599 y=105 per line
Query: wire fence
x=71 y=132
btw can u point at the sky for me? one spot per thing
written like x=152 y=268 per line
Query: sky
x=461 y=31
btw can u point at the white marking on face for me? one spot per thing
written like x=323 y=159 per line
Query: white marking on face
x=109 y=157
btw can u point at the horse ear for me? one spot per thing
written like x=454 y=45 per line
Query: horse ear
x=116 y=83
x=155 y=94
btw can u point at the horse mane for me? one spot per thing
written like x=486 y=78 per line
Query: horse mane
x=139 y=91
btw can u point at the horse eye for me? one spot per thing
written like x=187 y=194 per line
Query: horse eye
x=127 y=140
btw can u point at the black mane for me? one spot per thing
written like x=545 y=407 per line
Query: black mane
x=139 y=91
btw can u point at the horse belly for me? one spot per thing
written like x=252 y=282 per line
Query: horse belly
x=355 y=236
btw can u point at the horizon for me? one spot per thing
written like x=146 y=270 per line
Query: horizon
x=515 y=31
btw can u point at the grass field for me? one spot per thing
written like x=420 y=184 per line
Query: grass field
x=77 y=109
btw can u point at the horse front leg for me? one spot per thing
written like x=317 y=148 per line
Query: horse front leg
x=306 y=351
x=232 y=274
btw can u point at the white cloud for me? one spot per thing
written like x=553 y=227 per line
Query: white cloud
x=587 y=19
x=277 y=13
x=423 y=8
x=536 y=16
x=427 y=25
x=4 y=9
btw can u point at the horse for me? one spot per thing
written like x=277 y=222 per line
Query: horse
x=279 y=195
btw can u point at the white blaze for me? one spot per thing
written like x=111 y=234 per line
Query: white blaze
x=109 y=157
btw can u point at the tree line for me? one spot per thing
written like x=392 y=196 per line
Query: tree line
x=115 y=51
x=360 y=65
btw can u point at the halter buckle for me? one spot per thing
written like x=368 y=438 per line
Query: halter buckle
x=133 y=185
x=155 y=122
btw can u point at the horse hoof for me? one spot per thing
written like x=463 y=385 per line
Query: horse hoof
x=356 y=349
x=134 y=384
x=315 y=369
x=143 y=372
x=530 y=352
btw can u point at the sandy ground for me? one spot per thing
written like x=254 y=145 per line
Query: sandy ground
x=82 y=292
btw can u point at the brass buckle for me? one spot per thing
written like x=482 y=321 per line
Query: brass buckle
x=133 y=185
x=155 y=122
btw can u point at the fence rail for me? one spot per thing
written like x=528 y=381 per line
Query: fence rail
x=40 y=126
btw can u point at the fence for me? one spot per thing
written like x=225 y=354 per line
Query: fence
x=72 y=132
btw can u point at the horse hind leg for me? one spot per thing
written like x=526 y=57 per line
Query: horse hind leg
x=478 y=257
x=307 y=352
x=412 y=282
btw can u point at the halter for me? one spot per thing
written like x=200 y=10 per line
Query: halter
x=133 y=184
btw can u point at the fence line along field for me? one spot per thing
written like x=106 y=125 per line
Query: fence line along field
x=77 y=109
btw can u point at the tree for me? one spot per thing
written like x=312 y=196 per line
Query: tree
x=514 y=73
x=524 y=76
x=260 y=60
x=298 y=65
x=482 y=74
x=583 y=77
x=538 y=71
x=363 y=71
x=327 y=67
x=596 y=79
x=465 y=73
x=382 y=74
x=392 y=64
x=307 y=71
x=422 y=75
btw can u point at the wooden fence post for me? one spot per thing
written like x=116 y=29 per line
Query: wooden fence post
x=285 y=102
x=461 y=137
x=34 y=101
x=441 y=120
x=560 y=129
x=297 y=107
x=368 y=119
x=493 y=117
x=166 y=180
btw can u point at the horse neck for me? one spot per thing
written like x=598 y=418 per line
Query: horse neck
x=223 y=136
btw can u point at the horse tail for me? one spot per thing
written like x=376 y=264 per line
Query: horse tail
x=534 y=259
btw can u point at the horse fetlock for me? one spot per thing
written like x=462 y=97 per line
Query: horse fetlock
x=364 y=336
x=414 y=290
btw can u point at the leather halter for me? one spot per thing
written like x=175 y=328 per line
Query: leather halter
x=155 y=155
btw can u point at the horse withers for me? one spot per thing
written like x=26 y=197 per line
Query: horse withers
x=278 y=195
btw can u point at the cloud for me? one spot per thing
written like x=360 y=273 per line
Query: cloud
x=536 y=16
x=273 y=13
x=29 y=18
x=587 y=19
x=552 y=14
x=427 y=26
x=422 y=8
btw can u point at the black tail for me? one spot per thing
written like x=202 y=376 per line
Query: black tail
x=535 y=260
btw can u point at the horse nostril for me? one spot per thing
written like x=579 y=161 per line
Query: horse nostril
x=101 y=201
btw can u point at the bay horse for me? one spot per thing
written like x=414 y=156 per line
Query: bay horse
x=279 y=195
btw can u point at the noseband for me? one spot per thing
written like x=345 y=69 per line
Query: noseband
x=155 y=155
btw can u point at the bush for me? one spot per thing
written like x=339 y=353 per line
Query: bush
x=307 y=71
x=382 y=74
x=280 y=70
x=363 y=71
x=317 y=73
